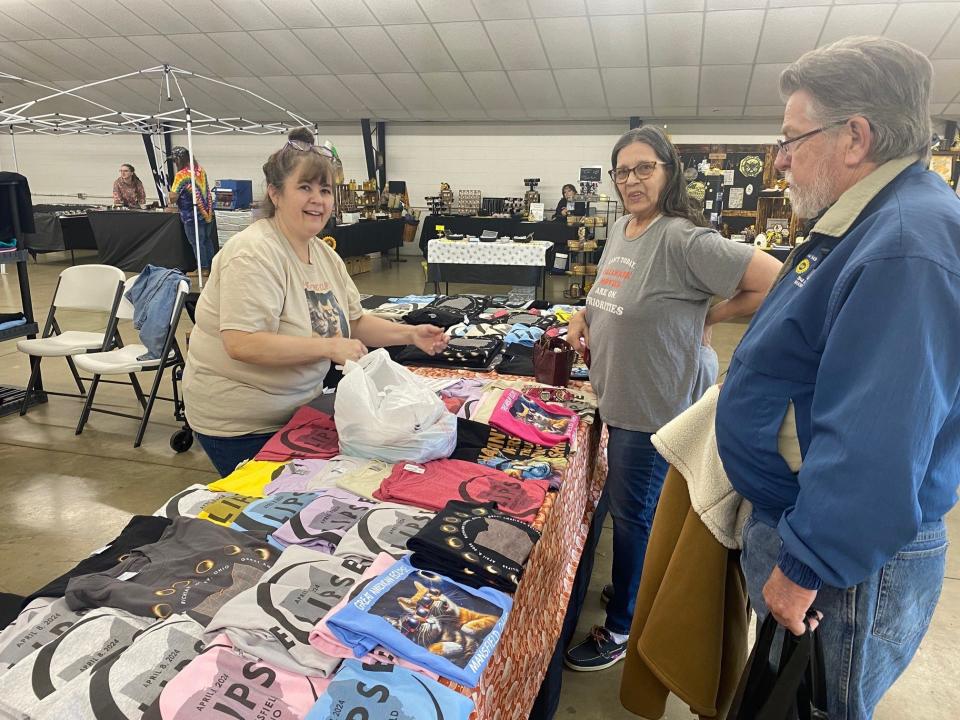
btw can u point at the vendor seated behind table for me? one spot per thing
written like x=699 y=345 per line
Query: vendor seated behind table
x=565 y=206
x=127 y=189
x=277 y=310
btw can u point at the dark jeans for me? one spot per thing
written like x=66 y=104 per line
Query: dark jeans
x=206 y=244
x=627 y=452
x=634 y=479
x=227 y=452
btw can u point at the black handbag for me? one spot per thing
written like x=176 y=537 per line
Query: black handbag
x=793 y=689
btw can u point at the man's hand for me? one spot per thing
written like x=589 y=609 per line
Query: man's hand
x=788 y=602
x=578 y=334
x=429 y=338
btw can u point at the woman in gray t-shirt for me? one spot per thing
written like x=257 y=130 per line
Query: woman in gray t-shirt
x=646 y=322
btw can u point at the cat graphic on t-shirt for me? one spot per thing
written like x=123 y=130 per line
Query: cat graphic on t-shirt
x=326 y=315
x=432 y=618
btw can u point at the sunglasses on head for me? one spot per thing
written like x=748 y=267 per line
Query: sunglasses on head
x=308 y=147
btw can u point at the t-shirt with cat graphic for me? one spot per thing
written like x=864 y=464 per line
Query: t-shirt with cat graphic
x=322 y=524
x=433 y=484
x=127 y=685
x=387 y=691
x=327 y=643
x=385 y=528
x=194 y=568
x=223 y=682
x=273 y=620
x=426 y=619
x=533 y=420
x=474 y=544
x=258 y=284
x=309 y=434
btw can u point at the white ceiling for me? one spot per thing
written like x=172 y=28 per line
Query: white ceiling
x=332 y=60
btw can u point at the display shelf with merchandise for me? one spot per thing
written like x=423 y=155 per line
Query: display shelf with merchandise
x=12 y=398
x=585 y=250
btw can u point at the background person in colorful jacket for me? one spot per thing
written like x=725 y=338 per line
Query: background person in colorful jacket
x=839 y=418
x=180 y=195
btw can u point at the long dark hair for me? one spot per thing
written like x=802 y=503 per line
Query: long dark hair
x=673 y=200
x=133 y=173
x=568 y=185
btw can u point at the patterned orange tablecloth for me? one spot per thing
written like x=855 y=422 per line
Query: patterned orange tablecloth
x=510 y=683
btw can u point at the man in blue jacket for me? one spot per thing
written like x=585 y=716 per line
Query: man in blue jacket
x=839 y=418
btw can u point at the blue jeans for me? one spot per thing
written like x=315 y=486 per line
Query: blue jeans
x=870 y=631
x=227 y=452
x=634 y=480
x=206 y=245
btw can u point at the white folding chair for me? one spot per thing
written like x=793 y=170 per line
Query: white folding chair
x=123 y=361
x=82 y=287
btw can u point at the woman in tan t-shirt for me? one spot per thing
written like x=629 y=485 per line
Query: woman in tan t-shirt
x=278 y=309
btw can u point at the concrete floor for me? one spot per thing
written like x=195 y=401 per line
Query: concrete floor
x=65 y=495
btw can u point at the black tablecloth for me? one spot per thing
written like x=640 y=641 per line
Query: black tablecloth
x=368 y=237
x=131 y=239
x=556 y=232
x=56 y=233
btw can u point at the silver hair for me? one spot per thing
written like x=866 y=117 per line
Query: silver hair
x=882 y=80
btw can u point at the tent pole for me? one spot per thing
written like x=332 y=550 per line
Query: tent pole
x=193 y=196
x=13 y=147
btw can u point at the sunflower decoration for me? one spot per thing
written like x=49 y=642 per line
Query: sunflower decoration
x=331 y=241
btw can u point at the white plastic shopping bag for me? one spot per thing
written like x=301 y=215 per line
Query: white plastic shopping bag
x=385 y=412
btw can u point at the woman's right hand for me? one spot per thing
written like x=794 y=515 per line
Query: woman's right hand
x=341 y=349
x=578 y=334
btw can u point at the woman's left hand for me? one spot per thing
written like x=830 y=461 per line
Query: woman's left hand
x=707 y=335
x=429 y=338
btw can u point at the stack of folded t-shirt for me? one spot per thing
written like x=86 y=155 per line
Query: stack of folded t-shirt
x=273 y=620
x=431 y=485
x=385 y=528
x=387 y=691
x=474 y=544
x=127 y=685
x=427 y=619
x=309 y=434
x=222 y=682
x=533 y=420
x=518 y=458
x=194 y=568
x=321 y=524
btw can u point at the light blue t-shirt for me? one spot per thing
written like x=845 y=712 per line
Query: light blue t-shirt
x=388 y=691
x=427 y=619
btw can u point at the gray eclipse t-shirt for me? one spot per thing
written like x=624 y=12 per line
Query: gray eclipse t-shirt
x=646 y=314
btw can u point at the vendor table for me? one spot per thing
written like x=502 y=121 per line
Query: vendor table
x=527 y=655
x=56 y=232
x=133 y=239
x=556 y=232
x=367 y=237
x=491 y=263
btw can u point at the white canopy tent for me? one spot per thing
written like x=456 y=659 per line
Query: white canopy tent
x=181 y=117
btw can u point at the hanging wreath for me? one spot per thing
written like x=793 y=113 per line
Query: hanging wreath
x=331 y=241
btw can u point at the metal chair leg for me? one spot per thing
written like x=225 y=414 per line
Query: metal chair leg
x=34 y=373
x=149 y=408
x=76 y=376
x=138 y=390
x=85 y=413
